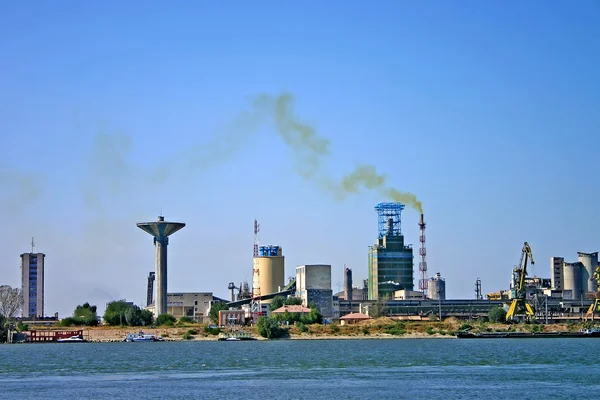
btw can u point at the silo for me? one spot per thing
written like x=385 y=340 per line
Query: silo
x=589 y=261
x=572 y=278
x=437 y=288
x=271 y=269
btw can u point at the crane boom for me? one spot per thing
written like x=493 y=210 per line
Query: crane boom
x=519 y=305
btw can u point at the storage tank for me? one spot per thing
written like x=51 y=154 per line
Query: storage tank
x=271 y=270
x=572 y=278
x=589 y=261
x=437 y=288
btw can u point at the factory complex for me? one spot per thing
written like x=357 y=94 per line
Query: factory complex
x=570 y=293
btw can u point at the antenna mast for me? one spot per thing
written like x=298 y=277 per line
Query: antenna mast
x=32 y=245
x=255 y=305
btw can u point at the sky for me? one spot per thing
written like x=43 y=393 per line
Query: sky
x=217 y=113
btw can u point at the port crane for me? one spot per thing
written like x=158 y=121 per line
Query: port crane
x=519 y=305
x=595 y=307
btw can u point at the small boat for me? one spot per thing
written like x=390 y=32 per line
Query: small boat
x=72 y=339
x=235 y=336
x=141 y=337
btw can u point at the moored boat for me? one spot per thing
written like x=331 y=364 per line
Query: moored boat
x=142 y=337
x=72 y=339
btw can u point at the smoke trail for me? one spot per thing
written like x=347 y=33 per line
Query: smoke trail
x=110 y=170
x=312 y=151
x=18 y=189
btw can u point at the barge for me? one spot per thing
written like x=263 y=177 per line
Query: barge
x=588 y=333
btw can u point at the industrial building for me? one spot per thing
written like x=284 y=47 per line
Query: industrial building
x=573 y=279
x=390 y=259
x=268 y=271
x=32 y=284
x=195 y=305
x=313 y=286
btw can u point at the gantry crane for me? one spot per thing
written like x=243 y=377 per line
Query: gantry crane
x=519 y=305
x=595 y=307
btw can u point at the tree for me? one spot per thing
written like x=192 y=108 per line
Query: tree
x=11 y=301
x=293 y=301
x=269 y=328
x=214 y=311
x=277 y=302
x=497 y=314
x=122 y=313
x=165 y=319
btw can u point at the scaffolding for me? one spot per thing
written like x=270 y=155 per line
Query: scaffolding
x=389 y=218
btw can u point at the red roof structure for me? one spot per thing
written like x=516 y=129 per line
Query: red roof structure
x=291 y=309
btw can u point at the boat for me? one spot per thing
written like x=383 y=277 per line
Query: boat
x=587 y=333
x=235 y=336
x=72 y=339
x=142 y=337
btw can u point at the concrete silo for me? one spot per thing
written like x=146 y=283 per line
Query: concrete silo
x=589 y=261
x=572 y=280
x=269 y=271
x=437 y=287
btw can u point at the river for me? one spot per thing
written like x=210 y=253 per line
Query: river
x=305 y=369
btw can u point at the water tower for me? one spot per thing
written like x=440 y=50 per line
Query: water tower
x=161 y=230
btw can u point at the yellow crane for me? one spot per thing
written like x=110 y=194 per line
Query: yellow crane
x=595 y=307
x=519 y=306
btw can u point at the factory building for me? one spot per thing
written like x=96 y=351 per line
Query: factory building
x=313 y=286
x=32 y=284
x=574 y=279
x=437 y=287
x=390 y=260
x=194 y=305
x=268 y=271
x=556 y=272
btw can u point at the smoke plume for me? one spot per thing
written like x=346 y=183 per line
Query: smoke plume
x=313 y=150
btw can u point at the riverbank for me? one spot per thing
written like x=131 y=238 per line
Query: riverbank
x=379 y=328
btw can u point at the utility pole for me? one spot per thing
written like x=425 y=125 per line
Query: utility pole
x=439 y=291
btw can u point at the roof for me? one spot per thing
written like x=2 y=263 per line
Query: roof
x=355 y=316
x=291 y=309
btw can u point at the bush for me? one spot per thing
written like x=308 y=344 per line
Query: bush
x=269 y=328
x=193 y=332
x=465 y=327
x=366 y=331
x=430 y=330
x=166 y=320
x=302 y=327
x=185 y=320
x=187 y=336
x=211 y=331
x=21 y=327
x=497 y=314
x=334 y=328
x=397 y=329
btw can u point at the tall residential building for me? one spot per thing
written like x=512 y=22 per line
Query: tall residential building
x=390 y=260
x=32 y=284
x=556 y=272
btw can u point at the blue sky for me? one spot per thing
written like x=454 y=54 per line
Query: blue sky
x=487 y=112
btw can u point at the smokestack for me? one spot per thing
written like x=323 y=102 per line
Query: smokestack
x=348 y=284
x=390 y=226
